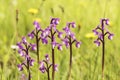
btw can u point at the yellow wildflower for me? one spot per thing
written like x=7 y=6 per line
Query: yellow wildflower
x=110 y=24
x=83 y=4
x=33 y=11
x=90 y=35
x=37 y=19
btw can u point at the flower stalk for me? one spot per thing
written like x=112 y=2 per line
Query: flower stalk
x=103 y=54
x=53 y=58
x=68 y=40
x=37 y=45
x=35 y=33
x=52 y=31
x=28 y=67
x=46 y=68
x=70 y=63
x=101 y=38
x=23 y=50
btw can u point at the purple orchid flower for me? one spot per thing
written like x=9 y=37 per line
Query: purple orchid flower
x=20 y=67
x=47 y=57
x=37 y=25
x=33 y=46
x=60 y=47
x=78 y=44
x=42 y=67
x=56 y=67
x=31 y=35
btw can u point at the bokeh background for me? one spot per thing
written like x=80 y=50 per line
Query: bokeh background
x=86 y=14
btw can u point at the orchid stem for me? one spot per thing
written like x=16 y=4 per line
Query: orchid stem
x=53 y=60
x=28 y=68
x=48 y=72
x=70 y=63
x=37 y=44
x=103 y=54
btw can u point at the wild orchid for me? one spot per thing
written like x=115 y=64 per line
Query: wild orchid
x=36 y=33
x=45 y=66
x=23 y=50
x=50 y=32
x=68 y=41
x=101 y=31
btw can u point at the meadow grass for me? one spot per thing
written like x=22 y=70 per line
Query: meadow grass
x=86 y=14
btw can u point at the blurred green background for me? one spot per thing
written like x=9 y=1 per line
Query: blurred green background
x=86 y=14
